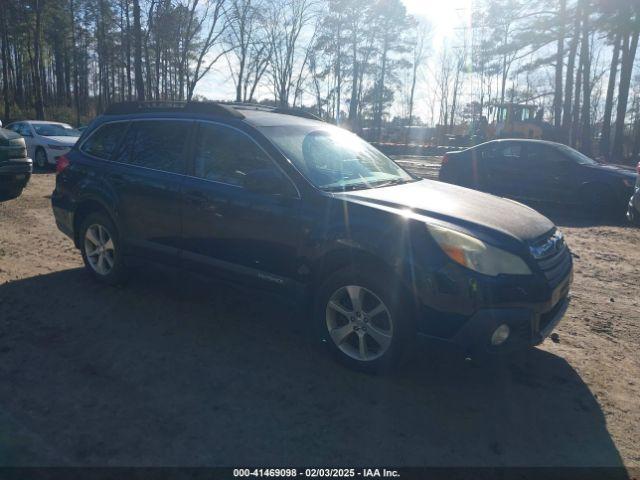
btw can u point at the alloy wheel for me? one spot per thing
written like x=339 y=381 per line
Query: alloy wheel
x=99 y=249
x=41 y=158
x=359 y=323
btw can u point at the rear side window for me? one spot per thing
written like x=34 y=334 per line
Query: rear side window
x=103 y=142
x=226 y=155
x=158 y=144
x=509 y=151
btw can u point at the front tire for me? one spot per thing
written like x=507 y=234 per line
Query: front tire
x=365 y=319
x=101 y=249
x=10 y=194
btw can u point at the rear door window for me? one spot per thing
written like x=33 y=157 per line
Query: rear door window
x=157 y=144
x=103 y=142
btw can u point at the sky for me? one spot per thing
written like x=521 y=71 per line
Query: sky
x=445 y=16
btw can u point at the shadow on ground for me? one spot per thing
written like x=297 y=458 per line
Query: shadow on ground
x=171 y=370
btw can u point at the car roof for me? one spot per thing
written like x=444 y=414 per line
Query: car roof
x=256 y=115
x=259 y=118
x=37 y=122
x=518 y=140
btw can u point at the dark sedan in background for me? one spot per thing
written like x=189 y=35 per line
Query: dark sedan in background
x=540 y=171
x=15 y=165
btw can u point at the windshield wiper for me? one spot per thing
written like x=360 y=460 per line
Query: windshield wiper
x=387 y=183
x=346 y=188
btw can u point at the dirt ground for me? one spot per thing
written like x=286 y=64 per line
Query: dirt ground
x=173 y=370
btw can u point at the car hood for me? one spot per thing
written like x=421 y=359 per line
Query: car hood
x=64 y=141
x=456 y=205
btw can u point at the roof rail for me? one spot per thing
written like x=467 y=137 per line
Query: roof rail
x=230 y=109
x=214 y=108
x=297 y=112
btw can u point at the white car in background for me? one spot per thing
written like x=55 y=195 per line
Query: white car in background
x=45 y=140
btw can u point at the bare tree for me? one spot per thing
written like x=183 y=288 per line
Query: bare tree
x=286 y=22
x=214 y=23
x=419 y=53
x=250 y=50
x=137 y=40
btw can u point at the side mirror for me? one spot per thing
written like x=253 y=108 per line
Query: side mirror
x=266 y=181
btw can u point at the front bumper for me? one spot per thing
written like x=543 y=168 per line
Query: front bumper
x=527 y=326
x=466 y=310
x=15 y=174
x=54 y=153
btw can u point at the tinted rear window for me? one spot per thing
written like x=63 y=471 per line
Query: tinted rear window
x=103 y=142
x=157 y=144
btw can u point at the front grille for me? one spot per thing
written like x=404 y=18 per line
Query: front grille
x=553 y=257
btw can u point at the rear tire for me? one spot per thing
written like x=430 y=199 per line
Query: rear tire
x=41 y=161
x=101 y=249
x=365 y=319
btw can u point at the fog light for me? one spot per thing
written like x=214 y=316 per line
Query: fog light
x=500 y=335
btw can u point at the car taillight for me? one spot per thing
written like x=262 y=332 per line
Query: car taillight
x=445 y=159
x=61 y=163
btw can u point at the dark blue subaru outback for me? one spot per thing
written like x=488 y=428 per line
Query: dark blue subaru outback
x=274 y=198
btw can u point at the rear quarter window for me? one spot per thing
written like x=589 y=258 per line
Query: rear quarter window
x=104 y=141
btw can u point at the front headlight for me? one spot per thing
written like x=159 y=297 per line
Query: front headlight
x=472 y=253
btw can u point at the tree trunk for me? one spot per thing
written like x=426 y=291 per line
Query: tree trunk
x=557 y=98
x=605 y=147
x=585 y=58
x=568 y=94
x=626 y=69
x=37 y=61
x=353 y=103
x=74 y=56
x=5 y=66
x=137 y=33
x=575 y=124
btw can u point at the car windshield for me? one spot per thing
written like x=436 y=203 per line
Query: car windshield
x=334 y=159
x=55 y=130
x=576 y=156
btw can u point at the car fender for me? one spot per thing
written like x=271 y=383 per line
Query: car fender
x=97 y=192
x=366 y=237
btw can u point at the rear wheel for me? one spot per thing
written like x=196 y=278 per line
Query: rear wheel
x=41 y=160
x=101 y=249
x=365 y=321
